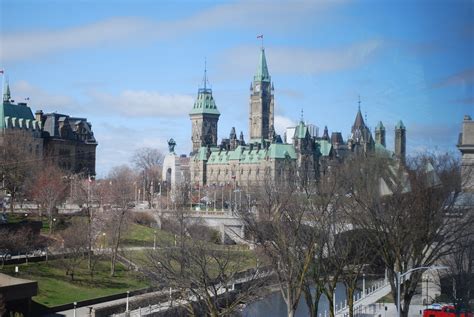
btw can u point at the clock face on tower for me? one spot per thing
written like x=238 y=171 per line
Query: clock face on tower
x=257 y=87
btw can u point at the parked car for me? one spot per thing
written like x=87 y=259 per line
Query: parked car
x=437 y=310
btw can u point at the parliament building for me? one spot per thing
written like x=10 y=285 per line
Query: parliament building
x=266 y=155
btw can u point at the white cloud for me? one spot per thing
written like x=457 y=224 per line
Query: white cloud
x=24 y=45
x=19 y=46
x=291 y=60
x=41 y=99
x=140 y=103
x=281 y=123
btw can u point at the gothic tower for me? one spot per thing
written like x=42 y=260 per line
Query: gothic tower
x=380 y=134
x=400 y=140
x=204 y=117
x=261 y=102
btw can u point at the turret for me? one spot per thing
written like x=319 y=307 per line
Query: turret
x=400 y=141
x=380 y=134
x=204 y=118
x=6 y=94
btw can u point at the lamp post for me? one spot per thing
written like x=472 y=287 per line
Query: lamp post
x=363 y=285
x=126 y=306
x=154 y=241
x=400 y=275
x=54 y=222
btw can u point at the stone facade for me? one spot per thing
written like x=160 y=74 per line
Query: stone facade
x=66 y=141
x=466 y=146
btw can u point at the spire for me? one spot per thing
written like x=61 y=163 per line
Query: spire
x=379 y=126
x=400 y=126
x=359 y=121
x=6 y=94
x=326 y=133
x=262 y=69
x=204 y=80
x=302 y=115
x=232 y=134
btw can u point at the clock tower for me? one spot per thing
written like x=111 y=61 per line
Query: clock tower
x=204 y=117
x=261 y=102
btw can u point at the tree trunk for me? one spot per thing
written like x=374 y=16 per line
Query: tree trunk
x=12 y=202
x=309 y=301
x=116 y=246
x=89 y=238
x=350 y=300
x=317 y=297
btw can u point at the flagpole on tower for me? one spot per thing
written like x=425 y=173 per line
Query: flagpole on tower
x=261 y=38
x=2 y=71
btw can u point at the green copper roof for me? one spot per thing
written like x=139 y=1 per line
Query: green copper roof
x=262 y=69
x=382 y=151
x=301 y=130
x=380 y=126
x=6 y=94
x=204 y=103
x=281 y=151
x=201 y=155
x=400 y=125
x=324 y=147
x=21 y=111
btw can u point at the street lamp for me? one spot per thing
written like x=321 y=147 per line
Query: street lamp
x=126 y=308
x=399 y=276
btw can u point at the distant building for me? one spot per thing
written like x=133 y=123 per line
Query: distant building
x=466 y=146
x=266 y=156
x=66 y=141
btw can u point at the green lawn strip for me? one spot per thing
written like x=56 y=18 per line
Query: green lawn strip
x=55 y=288
x=139 y=235
x=245 y=259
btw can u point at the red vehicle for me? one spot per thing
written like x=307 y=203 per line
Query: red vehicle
x=445 y=311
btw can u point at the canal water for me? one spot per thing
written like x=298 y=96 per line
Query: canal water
x=274 y=305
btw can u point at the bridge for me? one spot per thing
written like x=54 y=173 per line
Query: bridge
x=228 y=224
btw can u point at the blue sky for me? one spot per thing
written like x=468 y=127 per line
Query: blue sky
x=133 y=67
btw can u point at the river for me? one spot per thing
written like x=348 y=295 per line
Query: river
x=274 y=305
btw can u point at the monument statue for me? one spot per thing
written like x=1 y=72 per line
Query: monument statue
x=171 y=145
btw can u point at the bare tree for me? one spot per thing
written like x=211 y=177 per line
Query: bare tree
x=408 y=213
x=148 y=161
x=122 y=196
x=73 y=248
x=281 y=232
x=48 y=189
x=458 y=283
x=16 y=162
x=201 y=272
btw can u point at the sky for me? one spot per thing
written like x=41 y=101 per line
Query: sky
x=133 y=67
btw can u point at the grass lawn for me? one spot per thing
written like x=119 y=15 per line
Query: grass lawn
x=55 y=288
x=246 y=258
x=142 y=236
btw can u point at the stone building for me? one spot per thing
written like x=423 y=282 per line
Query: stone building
x=18 y=118
x=68 y=142
x=265 y=156
x=64 y=140
x=466 y=147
